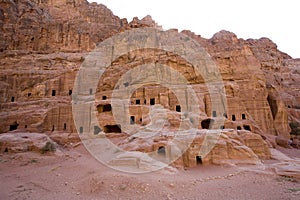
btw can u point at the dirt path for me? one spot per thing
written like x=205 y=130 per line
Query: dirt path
x=74 y=174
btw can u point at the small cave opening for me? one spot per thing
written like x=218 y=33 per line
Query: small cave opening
x=161 y=150
x=152 y=101
x=104 y=97
x=205 y=124
x=70 y=92
x=178 y=108
x=29 y=94
x=273 y=106
x=247 y=127
x=132 y=119
x=104 y=108
x=53 y=93
x=13 y=126
x=198 y=160
x=12 y=99
x=6 y=150
x=239 y=128
x=137 y=102
x=112 y=129
x=243 y=116
x=233 y=118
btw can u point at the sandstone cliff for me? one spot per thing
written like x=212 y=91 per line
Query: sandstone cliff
x=44 y=42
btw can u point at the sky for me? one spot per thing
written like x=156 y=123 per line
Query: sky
x=278 y=20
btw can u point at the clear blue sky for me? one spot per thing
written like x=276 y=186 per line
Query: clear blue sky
x=278 y=20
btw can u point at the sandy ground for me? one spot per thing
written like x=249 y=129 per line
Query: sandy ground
x=75 y=174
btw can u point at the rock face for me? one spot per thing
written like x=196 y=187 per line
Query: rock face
x=22 y=142
x=43 y=43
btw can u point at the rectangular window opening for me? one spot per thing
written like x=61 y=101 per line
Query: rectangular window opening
x=178 y=108
x=132 y=120
x=233 y=118
x=137 y=102
x=243 y=116
x=152 y=102
x=199 y=160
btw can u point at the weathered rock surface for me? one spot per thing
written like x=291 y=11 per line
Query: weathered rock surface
x=23 y=142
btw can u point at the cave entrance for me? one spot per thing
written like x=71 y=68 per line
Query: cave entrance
x=112 y=129
x=161 y=151
x=178 y=108
x=198 y=160
x=132 y=119
x=152 y=102
x=247 y=127
x=13 y=126
x=205 y=124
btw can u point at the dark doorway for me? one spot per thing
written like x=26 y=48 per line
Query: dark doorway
x=70 y=92
x=53 y=93
x=178 y=108
x=137 y=102
x=29 y=94
x=91 y=91
x=81 y=129
x=13 y=126
x=65 y=126
x=53 y=128
x=239 y=128
x=112 y=129
x=152 y=102
x=243 y=116
x=205 y=124
x=132 y=120
x=104 y=97
x=199 y=160
x=247 y=127
x=12 y=99
x=161 y=150
x=233 y=118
